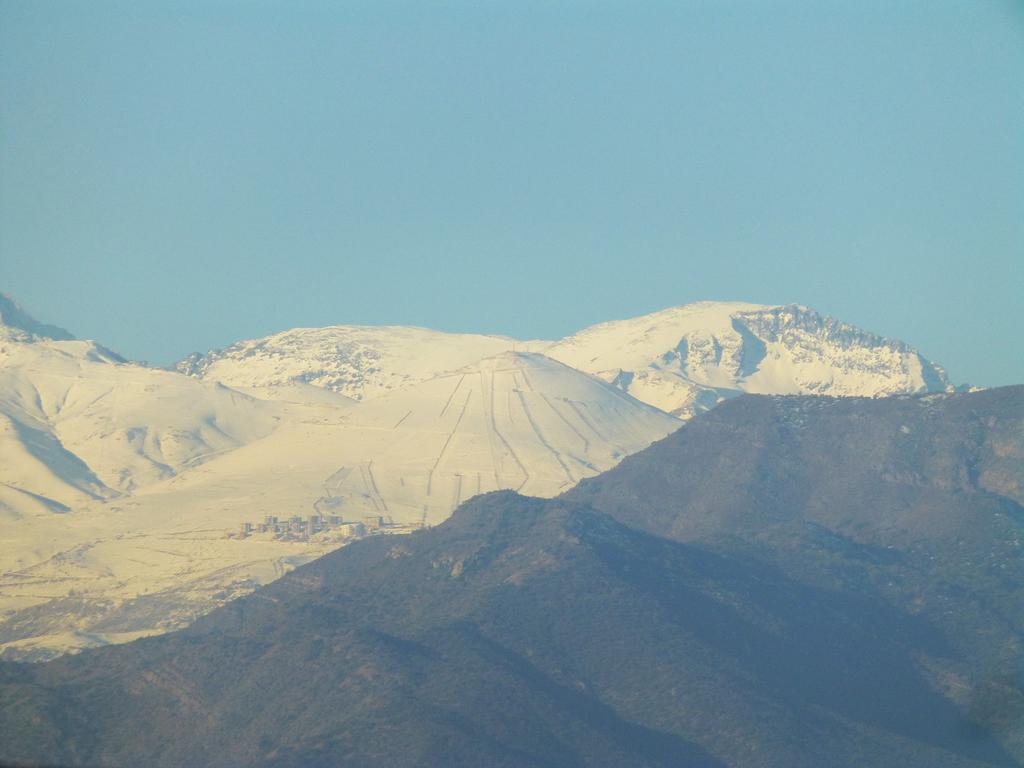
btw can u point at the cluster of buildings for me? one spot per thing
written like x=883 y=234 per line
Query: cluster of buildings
x=298 y=528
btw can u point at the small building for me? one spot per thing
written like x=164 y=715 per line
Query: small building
x=352 y=530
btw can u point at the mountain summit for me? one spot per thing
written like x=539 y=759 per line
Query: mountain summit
x=357 y=361
x=686 y=359
x=19 y=325
x=683 y=360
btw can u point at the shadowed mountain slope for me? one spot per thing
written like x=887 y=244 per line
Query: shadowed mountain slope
x=524 y=632
x=914 y=500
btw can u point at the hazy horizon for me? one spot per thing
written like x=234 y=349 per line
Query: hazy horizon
x=177 y=176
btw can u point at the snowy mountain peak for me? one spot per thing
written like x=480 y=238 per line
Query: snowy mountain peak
x=686 y=359
x=682 y=360
x=18 y=325
x=356 y=361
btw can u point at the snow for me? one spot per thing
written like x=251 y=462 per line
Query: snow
x=355 y=361
x=102 y=427
x=17 y=324
x=166 y=464
x=118 y=481
x=686 y=359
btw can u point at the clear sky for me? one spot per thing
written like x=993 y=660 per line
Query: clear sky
x=175 y=176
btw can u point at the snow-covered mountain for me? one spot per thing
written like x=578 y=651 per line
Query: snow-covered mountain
x=119 y=482
x=687 y=359
x=18 y=325
x=355 y=361
x=78 y=423
x=681 y=360
x=81 y=431
x=516 y=420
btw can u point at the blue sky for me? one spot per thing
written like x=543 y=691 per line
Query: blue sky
x=176 y=176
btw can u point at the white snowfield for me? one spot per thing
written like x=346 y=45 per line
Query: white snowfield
x=119 y=483
x=686 y=359
x=356 y=361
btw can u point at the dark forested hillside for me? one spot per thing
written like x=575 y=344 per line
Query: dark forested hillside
x=784 y=582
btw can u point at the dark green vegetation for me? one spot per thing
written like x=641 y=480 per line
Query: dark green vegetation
x=783 y=582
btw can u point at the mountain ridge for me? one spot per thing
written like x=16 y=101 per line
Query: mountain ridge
x=526 y=632
x=689 y=358
x=700 y=354
x=126 y=491
x=16 y=323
